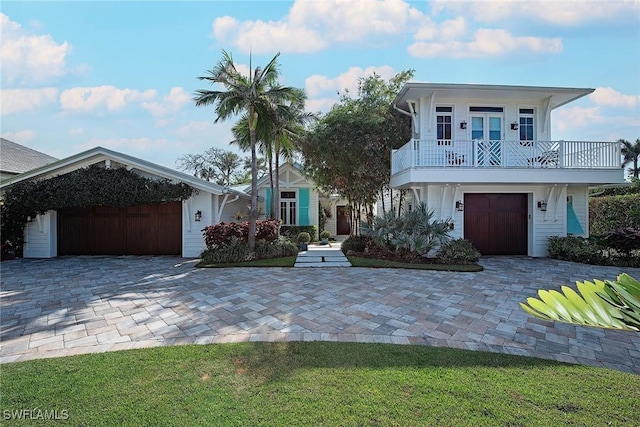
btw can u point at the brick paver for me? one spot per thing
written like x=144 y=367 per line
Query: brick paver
x=74 y=305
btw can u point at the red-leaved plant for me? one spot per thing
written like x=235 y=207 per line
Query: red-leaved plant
x=222 y=233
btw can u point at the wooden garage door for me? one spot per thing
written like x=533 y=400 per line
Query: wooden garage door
x=496 y=224
x=134 y=230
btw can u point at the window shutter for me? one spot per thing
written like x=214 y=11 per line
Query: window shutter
x=573 y=225
x=303 y=201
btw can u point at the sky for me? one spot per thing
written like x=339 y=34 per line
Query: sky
x=122 y=75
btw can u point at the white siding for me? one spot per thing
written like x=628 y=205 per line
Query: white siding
x=209 y=205
x=541 y=225
x=41 y=240
x=461 y=113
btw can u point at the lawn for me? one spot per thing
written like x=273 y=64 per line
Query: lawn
x=317 y=383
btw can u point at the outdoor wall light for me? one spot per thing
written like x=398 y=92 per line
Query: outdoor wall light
x=514 y=126
x=198 y=216
x=542 y=205
x=463 y=124
x=459 y=206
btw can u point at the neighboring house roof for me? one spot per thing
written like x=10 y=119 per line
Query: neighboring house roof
x=16 y=158
x=557 y=96
x=100 y=154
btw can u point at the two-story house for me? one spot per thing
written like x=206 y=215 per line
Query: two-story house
x=483 y=157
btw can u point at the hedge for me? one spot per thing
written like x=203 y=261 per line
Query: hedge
x=608 y=213
x=292 y=231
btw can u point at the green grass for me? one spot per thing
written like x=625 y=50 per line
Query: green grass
x=381 y=263
x=273 y=262
x=319 y=383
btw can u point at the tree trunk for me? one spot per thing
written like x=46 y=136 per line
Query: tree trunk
x=253 y=118
x=271 y=202
x=276 y=195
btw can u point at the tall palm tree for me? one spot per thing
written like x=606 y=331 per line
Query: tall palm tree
x=288 y=125
x=242 y=139
x=282 y=124
x=631 y=153
x=252 y=95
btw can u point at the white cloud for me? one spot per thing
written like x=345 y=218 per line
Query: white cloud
x=575 y=117
x=347 y=81
x=30 y=58
x=610 y=97
x=170 y=104
x=76 y=131
x=312 y=26
x=484 y=42
x=86 y=99
x=195 y=128
x=321 y=105
x=559 y=13
x=18 y=100
x=21 y=136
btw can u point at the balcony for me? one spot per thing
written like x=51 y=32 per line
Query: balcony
x=506 y=161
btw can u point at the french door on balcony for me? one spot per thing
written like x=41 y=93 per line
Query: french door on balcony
x=486 y=132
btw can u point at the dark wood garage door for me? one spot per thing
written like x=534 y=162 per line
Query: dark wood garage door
x=134 y=230
x=496 y=224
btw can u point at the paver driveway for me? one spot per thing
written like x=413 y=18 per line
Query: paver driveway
x=72 y=305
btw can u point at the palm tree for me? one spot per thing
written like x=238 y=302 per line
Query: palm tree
x=252 y=95
x=631 y=153
x=283 y=124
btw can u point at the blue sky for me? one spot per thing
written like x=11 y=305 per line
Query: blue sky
x=121 y=75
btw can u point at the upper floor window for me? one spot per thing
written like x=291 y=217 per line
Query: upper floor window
x=444 y=120
x=526 y=127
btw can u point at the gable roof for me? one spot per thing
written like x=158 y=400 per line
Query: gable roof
x=100 y=154
x=16 y=158
x=558 y=96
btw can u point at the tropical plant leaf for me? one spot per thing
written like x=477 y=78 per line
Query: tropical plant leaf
x=602 y=304
x=557 y=301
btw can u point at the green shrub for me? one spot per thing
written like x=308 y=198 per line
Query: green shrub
x=576 y=249
x=458 y=251
x=265 y=250
x=413 y=231
x=325 y=234
x=612 y=212
x=292 y=231
x=624 y=240
x=303 y=237
x=355 y=244
x=234 y=251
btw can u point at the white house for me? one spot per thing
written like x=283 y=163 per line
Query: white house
x=173 y=228
x=483 y=156
x=300 y=202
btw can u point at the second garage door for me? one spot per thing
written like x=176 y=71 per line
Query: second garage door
x=134 y=230
x=496 y=224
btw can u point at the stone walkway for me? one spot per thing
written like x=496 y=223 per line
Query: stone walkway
x=73 y=305
x=322 y=256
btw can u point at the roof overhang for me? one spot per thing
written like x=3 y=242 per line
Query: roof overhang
x=100 y=154
x=558 y=96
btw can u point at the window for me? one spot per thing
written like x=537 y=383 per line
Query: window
x=288 y=207
x=444 y=120
x=486 y=109
x=526 y=126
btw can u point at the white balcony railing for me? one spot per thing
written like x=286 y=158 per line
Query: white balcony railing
x=420 y=153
